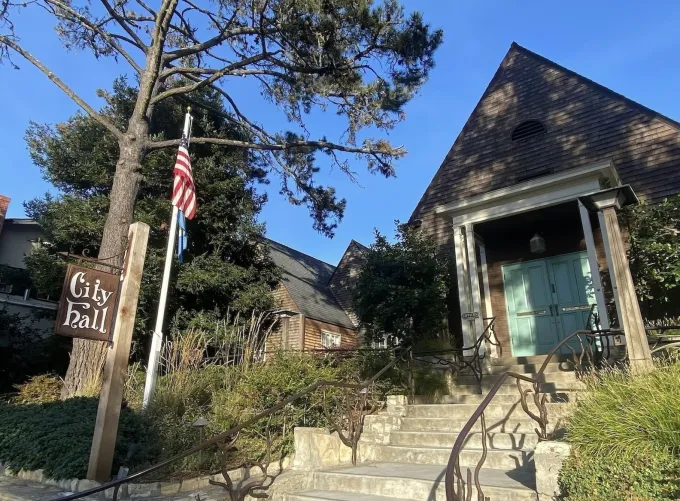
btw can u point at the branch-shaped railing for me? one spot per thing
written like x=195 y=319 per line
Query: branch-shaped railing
x=589 y=348
x=659 y=340
x=465 y=360
x=225 y=441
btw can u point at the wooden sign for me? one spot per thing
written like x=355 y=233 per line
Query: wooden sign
x=87 y=304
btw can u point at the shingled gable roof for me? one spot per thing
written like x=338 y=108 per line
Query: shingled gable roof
x=586 y=123
x=306 y=279
x=353 y=243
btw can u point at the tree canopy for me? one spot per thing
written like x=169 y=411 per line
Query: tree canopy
x=402 y=286
x=362 y=60
x=654 y=256
x=226 y=265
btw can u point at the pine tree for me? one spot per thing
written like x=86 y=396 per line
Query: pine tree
x=226 y=265
x=360 y=59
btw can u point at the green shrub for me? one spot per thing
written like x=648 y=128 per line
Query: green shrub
x=586 y=477
x=430 y=382
x=629 y=415
x=39 y=390
x=266 y=385
x=625 y=435
x=56 y=437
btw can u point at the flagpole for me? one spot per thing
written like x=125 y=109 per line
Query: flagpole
x=157 y=339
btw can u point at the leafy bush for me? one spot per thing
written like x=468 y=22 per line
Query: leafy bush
x=24 y=351
x=39 y=390
x=266 y=385
x=587 y=477
x=655 y=255
x=430 y=382
x=401 y=289
x=626 y=437
x=56 y=437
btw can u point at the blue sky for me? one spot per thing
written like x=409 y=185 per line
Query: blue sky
x=630 y=46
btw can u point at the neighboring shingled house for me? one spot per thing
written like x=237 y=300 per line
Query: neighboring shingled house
x=315 y=300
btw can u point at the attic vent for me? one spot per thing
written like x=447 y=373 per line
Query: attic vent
x=528 y=129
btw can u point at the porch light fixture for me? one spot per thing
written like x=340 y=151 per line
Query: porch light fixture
x=537 y=244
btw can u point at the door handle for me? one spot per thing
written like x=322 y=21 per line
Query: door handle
x=557 y=311
x=551 y=312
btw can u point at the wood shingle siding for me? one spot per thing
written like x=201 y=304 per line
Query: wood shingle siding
x=345 y=277
x=348 y=337
x=586 y=123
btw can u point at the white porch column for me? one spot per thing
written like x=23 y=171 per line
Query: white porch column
x=463 y=283
x=488 y=310
x=594 y=266
x=476 y=321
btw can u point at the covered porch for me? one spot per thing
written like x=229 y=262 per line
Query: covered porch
x=531 y=257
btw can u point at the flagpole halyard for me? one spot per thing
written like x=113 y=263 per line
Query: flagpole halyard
x=157 y=339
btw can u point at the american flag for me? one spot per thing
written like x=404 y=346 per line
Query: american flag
x=183 y=192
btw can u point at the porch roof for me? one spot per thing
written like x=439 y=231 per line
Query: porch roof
x=530 y=195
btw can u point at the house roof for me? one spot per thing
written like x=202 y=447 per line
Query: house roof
x=306 y=279
x=586 y=123
x=353 y=243
x=21 y=220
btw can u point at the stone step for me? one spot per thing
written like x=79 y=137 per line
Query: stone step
x=493 y=411
x=474 y=440
x=500 y=398
x=335 y=496
x=547 y=377
x=552 y=367
x=535 y=359
x=495 y=458
x=513 y=424
x=420 y=482
x=510 y=387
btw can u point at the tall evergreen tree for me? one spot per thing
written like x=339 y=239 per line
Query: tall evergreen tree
x=226 y=265
x=362 y=59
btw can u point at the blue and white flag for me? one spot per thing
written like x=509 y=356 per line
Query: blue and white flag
x=182 y=237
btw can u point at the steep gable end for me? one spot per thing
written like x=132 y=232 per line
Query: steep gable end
x=345 y=277
x=585 y=123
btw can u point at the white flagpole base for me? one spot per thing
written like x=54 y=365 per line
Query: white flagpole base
x=157 y=340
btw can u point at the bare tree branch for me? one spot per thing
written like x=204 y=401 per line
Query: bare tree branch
x=65 y=88
x=124 y=24
x=286 y=146
x=150 y=83
x=203 y=83
x=209 y=44
x=84 y=21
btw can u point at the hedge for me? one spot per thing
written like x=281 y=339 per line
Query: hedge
x=56 y=437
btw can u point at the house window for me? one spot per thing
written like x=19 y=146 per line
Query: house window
x=330 y=340
x=528 y=129
x=386 y=342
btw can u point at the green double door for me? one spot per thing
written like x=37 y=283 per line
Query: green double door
x=546 y=300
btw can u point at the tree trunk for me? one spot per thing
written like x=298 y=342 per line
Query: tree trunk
x=83 y=376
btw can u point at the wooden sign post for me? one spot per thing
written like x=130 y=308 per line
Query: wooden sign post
x=111 y=397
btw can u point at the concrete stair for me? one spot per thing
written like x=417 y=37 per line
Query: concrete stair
x=410 y=462
x=406 y=481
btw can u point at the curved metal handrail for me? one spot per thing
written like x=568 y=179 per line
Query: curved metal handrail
x=453 y=465
x=656 y=340
x=467 y=357
x=231 y=432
